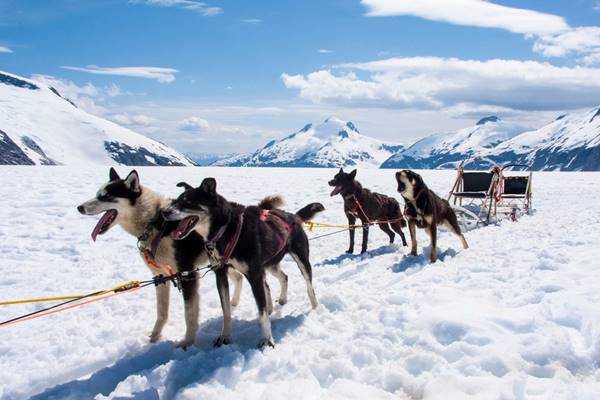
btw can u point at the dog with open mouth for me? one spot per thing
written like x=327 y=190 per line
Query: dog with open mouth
x=368 y=206
x=249 y=239
x=136 y=208
x=426 y=210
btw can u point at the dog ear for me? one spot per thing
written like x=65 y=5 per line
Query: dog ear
x=417 y=178
x=185 y=185
x=397 y=175
x=352 y=174
x=341 y=170
x=209 y=185
x=133 y=181
x=113 y=175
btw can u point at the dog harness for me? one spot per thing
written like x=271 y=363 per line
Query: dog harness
x=211 y=245
x=283 y=238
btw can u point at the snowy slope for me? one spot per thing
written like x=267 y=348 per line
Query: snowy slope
x=513 y=317
x=333 y=143
x=445 y=149
x=571 y=142
x=39 y=126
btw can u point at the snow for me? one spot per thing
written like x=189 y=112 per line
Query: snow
x=580 y=129
x=66 y=134
x=513 y=317
x=333 y=143
x=436 y=148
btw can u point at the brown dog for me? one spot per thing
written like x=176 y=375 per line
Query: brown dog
x=425 y=210
x=368 y=207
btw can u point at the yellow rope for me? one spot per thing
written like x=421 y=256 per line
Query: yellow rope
x=312 y=224
x=129 y=284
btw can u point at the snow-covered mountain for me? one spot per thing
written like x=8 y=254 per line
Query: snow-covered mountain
x=333 y=143
x=569 y=143
x=444 y=150
x=39 y=126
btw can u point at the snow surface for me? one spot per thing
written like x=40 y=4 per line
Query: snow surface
x=333 y=143
x=513 y=317
x=66 y=134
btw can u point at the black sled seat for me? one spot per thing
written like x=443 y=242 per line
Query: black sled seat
x=516 y=189
x=474 y=185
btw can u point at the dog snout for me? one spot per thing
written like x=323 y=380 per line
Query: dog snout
x=81 y=209
x=166 y=213
x=331 y=183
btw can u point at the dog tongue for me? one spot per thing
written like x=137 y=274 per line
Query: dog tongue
x=103 y=220
x=336 y=191
x=181 y=228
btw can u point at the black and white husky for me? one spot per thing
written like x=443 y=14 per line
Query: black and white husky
x=248 y=239
x=136 y=209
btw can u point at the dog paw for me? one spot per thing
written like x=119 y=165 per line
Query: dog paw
x=184 y=344
x=282 y=301
x=266 y=342
x=349 y=251
x=221 y=340
x=154 y=337
x=413 y=253
x=235 y=302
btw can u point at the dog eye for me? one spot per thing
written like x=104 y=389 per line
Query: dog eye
x=103 y=197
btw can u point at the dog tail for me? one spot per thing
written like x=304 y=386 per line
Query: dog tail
x=271 y=202
x=308 y=212
x=395 y=212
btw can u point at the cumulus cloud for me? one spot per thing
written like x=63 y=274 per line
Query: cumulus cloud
x=160 y=74
x=88 y=97
x=583 y=40
x=437 y=83
x=4 y=49
x=193 y=124
x=551 y=34
x=190 y=5
x=133 y=119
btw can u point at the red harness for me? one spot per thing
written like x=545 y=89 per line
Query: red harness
x=286 y=227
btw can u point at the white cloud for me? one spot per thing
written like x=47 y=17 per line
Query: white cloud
x=193 y=124
x=472 y=13
x=438 y=83
x=552 y=35
x=191 y=5
x=4 y=49
x=133 y=119
x=87 y=97
x=253 y=21
x=324 y=51
x=596 y=7
x=583 y=40
x=160 y=74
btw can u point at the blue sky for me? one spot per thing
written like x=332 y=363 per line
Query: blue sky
x=226 y=76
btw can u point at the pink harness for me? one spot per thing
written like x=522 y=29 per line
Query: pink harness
x=282 y=238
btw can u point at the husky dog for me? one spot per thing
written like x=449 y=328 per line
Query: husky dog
x=426 y=210
x=248 y=239
x=367 y=206
x=136 y=209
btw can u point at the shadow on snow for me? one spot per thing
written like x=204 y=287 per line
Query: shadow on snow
x=199 y=364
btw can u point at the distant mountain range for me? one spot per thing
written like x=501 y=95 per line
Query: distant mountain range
x=446 y=149
x=40 y=126
x=570 y=143
x=333 y=143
